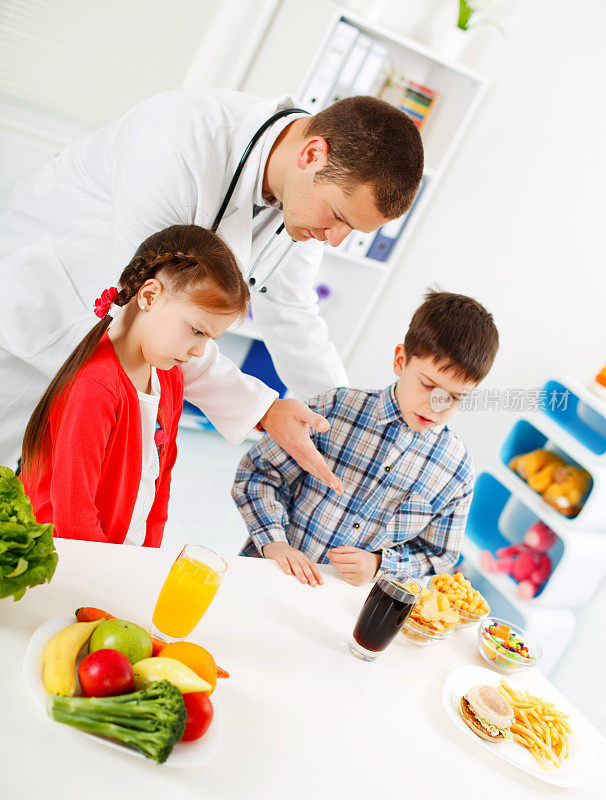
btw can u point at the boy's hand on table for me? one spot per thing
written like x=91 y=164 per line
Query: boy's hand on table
x=293 y=562
x=354 y=565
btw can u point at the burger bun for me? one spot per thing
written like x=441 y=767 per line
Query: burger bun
x=474 y=725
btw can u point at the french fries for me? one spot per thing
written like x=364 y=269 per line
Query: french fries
x=461 y=594
x=538 y=726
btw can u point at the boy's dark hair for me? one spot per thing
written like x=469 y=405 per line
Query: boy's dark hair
x=456 y=331
x=371 y=142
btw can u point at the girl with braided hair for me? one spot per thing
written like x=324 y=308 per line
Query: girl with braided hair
x=100 y=446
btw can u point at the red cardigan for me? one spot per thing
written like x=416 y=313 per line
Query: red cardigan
x=90 y=470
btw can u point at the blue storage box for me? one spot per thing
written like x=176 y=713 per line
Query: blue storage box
x=525 y=437
x=497 y=518
x=579 y=419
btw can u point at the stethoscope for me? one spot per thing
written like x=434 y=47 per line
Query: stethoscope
x=252 y=281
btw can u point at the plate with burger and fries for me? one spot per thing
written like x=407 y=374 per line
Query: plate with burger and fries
x=535 y=730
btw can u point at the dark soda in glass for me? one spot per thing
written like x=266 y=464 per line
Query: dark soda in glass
x=385 y=610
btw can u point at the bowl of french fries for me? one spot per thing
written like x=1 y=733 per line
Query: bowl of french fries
x=459 y=592
x=431 y=620
x=538 y=726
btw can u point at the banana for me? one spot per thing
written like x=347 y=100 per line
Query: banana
x=59 y=658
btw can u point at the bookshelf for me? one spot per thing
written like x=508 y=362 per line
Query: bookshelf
x=355 y=57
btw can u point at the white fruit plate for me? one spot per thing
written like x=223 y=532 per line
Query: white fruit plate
x=574 y=770
x=184 y=754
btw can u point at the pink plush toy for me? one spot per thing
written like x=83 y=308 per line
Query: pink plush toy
x=527 y=562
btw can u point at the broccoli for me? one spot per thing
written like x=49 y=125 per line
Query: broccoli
x=151 y=720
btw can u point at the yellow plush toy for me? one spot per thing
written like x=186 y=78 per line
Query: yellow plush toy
x=561 y=485
x=537 y=468
x=567 y=492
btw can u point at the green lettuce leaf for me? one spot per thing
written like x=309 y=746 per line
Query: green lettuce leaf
x=27 y=551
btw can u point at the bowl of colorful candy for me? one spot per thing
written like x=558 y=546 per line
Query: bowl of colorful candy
x=506 y=647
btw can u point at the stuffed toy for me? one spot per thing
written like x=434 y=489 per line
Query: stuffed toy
x=527 y=562
x=562 y=485
x=567 y=491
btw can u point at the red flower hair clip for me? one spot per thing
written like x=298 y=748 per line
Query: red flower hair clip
x=103 y=303
x=160 y=437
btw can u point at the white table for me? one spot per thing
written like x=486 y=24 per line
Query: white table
x=302 y=717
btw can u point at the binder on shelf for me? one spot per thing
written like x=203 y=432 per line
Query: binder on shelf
x=385 y=239
x=346 y=80
x=351 y=64
x=372 y=72
x=387 y=235
x=360 y=243
x=335 y=54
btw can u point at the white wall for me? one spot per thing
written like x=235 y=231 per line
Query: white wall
x=517 y=220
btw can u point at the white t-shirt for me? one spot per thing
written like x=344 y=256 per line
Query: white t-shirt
x=150 y=463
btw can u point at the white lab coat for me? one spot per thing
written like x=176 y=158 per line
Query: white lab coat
x=67 y=232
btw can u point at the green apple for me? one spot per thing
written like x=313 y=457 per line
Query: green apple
x=118 y=634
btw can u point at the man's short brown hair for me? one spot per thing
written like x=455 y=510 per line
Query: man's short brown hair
x=371 y=142
x=456 y=331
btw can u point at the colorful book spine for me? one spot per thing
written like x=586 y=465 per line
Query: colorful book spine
x=417 y=102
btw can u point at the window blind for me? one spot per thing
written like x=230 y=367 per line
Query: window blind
x=91 y=60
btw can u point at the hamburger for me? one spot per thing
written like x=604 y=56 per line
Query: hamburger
x=486 y=713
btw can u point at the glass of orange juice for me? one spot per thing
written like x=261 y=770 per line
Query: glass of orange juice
x=188 y=590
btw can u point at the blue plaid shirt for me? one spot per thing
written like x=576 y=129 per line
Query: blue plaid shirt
x=407 y=494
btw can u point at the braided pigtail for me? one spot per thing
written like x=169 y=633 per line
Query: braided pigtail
x=185 y=258
x=111 y=301
x=37 y=427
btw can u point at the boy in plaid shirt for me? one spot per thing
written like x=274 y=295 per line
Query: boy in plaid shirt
x=408 y=479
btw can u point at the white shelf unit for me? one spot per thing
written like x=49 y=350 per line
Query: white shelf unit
x=504 y=507
x=356 y=281
x=582 y=422
x=508 y=513
x=539 y=432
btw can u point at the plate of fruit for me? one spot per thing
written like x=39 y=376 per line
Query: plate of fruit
x=506 y=647
x=111 y=680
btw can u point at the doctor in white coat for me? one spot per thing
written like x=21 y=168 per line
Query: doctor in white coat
x=67 y=231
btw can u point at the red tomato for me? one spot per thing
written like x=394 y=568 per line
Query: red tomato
x=199 y=715
x=106 y=672
x=157 y=645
